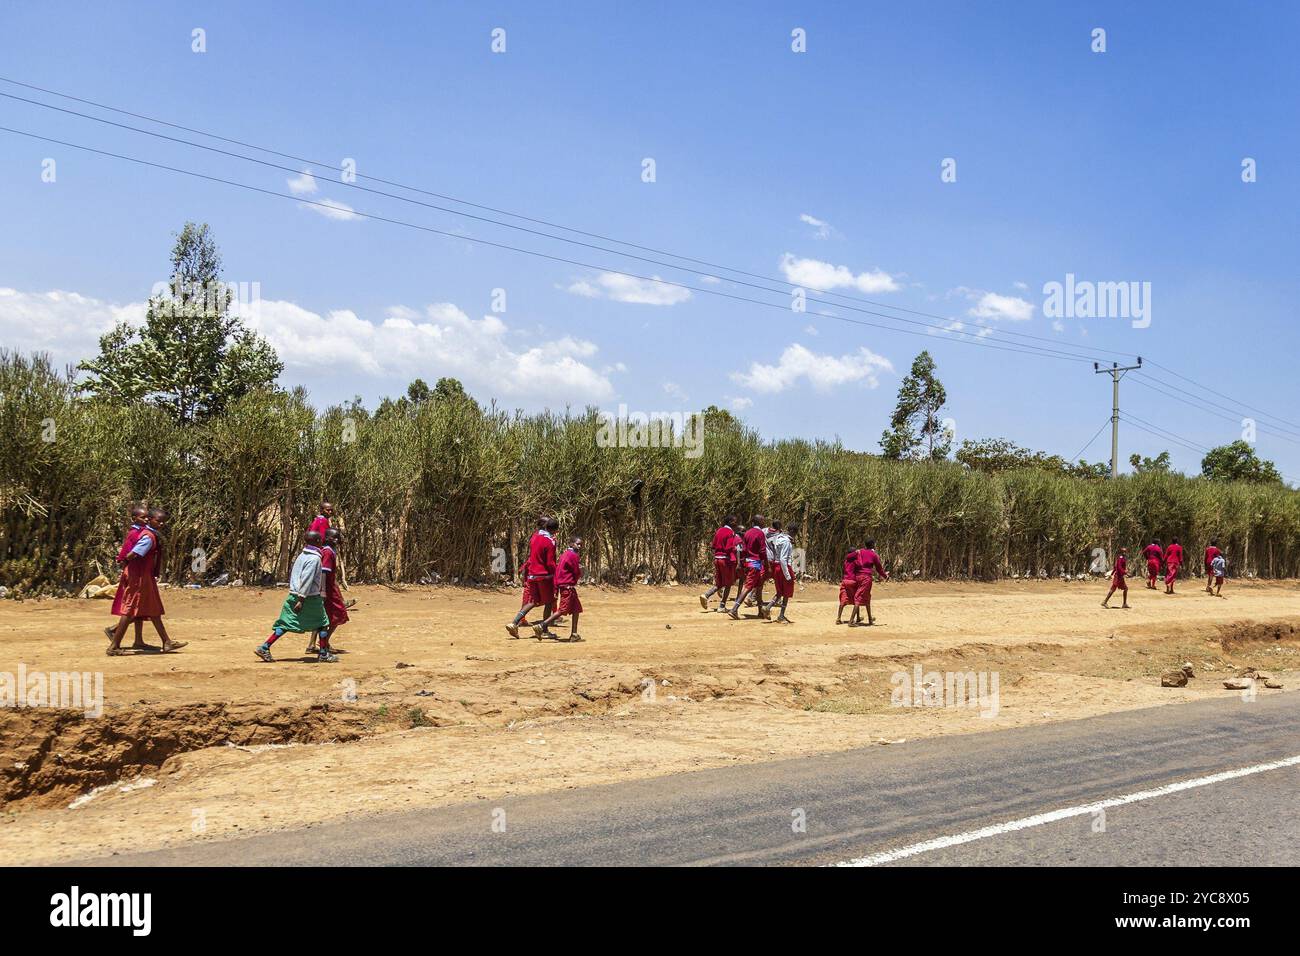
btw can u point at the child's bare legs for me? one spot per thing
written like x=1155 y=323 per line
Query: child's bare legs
x=785 y=601
x=543 y=628
x=139 y=644
x=1105 y=602
x=573 y=628
x=1218 y=586
x=168 y=644
x=1209 y=583
x=116 y=633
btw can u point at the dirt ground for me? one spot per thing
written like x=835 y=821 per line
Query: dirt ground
x=432 y=703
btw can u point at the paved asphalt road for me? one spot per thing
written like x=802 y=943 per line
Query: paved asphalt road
x=865 y=801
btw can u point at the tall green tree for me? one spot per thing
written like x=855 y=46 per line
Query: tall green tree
x=1237 y=461
x=191 y=357
x=1142 y=465
x=915 y=429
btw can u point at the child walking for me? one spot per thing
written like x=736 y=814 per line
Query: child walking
x=139 y=599
x=1118 y=577
x=567 y=574
x=304 y=609
x=335 y=608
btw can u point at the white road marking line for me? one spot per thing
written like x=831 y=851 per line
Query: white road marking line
x=1038 y=819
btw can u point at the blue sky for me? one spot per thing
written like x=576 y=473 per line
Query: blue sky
x=1115 y=167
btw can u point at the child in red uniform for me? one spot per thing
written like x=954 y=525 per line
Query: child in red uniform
x=1211 y=553
x=868 y=563
x=781 y=548
x=1153 y=553
x=755 y=543
x=335 y=609
x=567 y=575
x=539 y=574
x=848 y=582
x=1173 y=559
x=139 y=518
x=321 y=523
x=1117 y=578
x=724 y=563
x=140 y=598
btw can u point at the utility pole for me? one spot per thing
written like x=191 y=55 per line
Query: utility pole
x=1116 y=372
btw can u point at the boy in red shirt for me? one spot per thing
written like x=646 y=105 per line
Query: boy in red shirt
x=1173 y=559
x=539 y=574
x=1118 y=574
x=1211 y=553
x=724 y=562
x=567 y=575
x=868 y=563
x=848 y=582
x=755 y=560
x=1153 y=553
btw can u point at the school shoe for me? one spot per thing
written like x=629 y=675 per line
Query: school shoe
x=704 y=602
x=327 y=657
x=264 y=652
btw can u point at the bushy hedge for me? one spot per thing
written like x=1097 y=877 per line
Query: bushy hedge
x=432 y=489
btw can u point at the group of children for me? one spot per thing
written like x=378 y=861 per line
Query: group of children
x=766 y=552
x=315 y=603
x=1216 y=566
x=551 y=583
x=745 y=560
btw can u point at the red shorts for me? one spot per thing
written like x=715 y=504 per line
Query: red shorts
x=569 y=603
x=848 y=587
x=1153 y=567
x=724 y=573
x=784 y=585
x=753 y=578
x=539 y=591
x=1119 y=582
x=862 y=594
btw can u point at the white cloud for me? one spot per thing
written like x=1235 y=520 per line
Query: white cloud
x=485 y=354
x=823 y=229
x=331 y=209
x=623 y=288
x=823 y=276
x=822 y=372
x=675 y=391
x=709 y=280
x=64 y=324
x=810 y=329
x=739 y=403
x=1002 y=307
x=1022 y=286
x=303 y=184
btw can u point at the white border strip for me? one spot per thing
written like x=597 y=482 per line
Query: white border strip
x=1039 y=819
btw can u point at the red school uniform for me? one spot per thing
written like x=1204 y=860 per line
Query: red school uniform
x=868 y=562
x=755 y=542
x=1210 y=554
x=132 y=536
x=724 y=557
x=567 y=575
x=1153 y=554
x=138 y=590
x=320 y=524
x=1120 y=573
x=335 y=608
x=1173 y=559
x=849 y=580
x=539 y=572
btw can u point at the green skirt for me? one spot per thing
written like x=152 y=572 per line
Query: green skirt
x=312 y=616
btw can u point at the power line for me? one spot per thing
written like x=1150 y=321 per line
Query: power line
x=1078 y=350
x=1015 y=347
x=1187 y=442
x=1079 y=455
x=1225 y=397
x=1210 y=410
